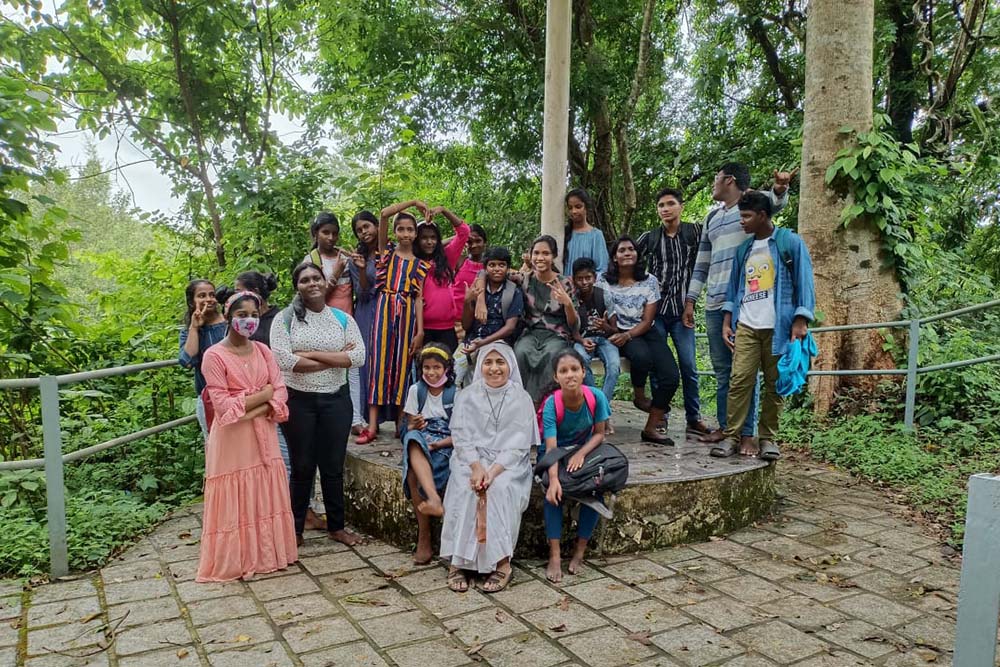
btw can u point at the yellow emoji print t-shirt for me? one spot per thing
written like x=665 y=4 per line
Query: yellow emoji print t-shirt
x=757 y=307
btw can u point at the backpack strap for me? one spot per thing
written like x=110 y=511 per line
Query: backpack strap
x=507 y=297
x=588 y=398
x=690 y=234
x=559 y=406
x=421 y=396
x=341 y=317
x=448 y=399
x=315 y=257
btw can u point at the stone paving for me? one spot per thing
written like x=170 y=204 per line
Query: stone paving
x=837 y=577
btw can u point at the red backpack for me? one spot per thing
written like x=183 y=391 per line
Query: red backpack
x=588 y=399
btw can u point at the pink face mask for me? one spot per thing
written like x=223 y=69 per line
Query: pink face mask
x=245 y=326
x=439 y=383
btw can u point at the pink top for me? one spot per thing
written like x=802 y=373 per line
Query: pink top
x=465 y=276
x=439 y=304
x=247 y=525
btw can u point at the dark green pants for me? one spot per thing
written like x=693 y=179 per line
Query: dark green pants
x=753 y=354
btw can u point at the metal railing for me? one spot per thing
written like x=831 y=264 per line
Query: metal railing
x=52 y=437
x=55 y=491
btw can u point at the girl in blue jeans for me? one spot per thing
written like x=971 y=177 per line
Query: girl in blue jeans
x=585 y=416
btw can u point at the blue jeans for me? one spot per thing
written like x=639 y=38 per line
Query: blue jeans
x=553 y=515
x=609 y=356
x=722 y=364
x=673 y=329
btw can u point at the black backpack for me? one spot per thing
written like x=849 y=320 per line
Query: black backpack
x=605 y=470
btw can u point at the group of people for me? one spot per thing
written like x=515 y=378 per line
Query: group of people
x=376 y=334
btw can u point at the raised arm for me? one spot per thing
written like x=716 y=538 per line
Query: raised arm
x=386 y=214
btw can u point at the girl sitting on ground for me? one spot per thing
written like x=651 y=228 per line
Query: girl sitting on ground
x=585 y=417
x=427 y=444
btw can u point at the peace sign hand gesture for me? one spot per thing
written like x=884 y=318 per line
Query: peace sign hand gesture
x=560 y=293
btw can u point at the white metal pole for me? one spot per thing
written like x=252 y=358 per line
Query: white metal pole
x=555 y=132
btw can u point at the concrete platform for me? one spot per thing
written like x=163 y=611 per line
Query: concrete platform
x=675 y=494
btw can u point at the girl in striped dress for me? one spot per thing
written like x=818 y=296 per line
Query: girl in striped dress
x=398 y=328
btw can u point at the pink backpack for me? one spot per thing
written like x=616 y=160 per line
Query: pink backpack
x=588 y=398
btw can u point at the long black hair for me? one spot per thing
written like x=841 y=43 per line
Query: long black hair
x=189 y=291
x=298 y=305
x=259 y=283
x=639 y=273
x=367 y=215
x=552 y=386
x=323 y=218
x=443 y=273
x=588 y=204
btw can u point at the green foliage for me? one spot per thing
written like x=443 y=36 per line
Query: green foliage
x=931 y=466
x=895 y=189
x=99 y=523
x=22 y=489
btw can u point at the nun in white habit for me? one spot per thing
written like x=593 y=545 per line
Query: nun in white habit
x=493 y=427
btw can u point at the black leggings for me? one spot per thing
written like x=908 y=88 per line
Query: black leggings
x=648 y=354
x=316 y=431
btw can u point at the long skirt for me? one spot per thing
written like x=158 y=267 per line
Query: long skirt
x=436 y=429
x=389 y=353
x=247 y=525
x=535 y=350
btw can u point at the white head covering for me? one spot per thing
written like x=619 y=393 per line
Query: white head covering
x=505 y=351
x=472 y=422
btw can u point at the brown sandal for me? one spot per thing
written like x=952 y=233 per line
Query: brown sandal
x=498 y=581
x=457 y=581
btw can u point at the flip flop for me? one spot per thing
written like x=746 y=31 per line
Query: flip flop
x=768 y=451
x=457 y=581
x=498 y=579
x=724 y=450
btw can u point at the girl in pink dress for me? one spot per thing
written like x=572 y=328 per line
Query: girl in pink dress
x=247 y=527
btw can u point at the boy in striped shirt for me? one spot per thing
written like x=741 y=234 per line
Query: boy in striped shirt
x=721 y=235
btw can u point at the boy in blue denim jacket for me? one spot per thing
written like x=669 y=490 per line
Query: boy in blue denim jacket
x=769 y=302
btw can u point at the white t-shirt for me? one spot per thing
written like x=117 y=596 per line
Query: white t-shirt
x=433 y=405
x=757 y=307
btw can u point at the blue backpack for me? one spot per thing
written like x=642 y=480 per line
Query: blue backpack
x=447 y=398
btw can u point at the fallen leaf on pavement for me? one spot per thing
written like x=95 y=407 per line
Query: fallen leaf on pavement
x=182 y=653
x=641 y=637
x=558 y=628
x=474 y=649
x=564 y=603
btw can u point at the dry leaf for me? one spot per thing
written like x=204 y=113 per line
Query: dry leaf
x=500 y=616
x=243 y=638
x=641 y=637
x=615 y=587
x=182 y=653
x=558 y=628
x=715 y=538
x=474 y=649
x=564 y=603
x=91 y=617
x=184 y=536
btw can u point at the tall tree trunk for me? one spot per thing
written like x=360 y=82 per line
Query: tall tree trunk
x=852 y=285
x=902 y=102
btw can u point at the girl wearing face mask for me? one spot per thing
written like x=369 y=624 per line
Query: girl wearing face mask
x=427 y=441
x=314 y=346
x=203 y=327
x=240 y=539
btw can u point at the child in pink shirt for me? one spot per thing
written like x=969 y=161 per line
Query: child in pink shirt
x=439 y=303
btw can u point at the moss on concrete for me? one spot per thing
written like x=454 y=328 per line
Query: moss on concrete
x=647 y=516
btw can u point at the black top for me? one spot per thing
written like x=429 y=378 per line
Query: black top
x=263 y=332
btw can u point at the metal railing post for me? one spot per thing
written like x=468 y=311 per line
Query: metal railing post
x=55 y=489
x=911 y=374
x=979 y=588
